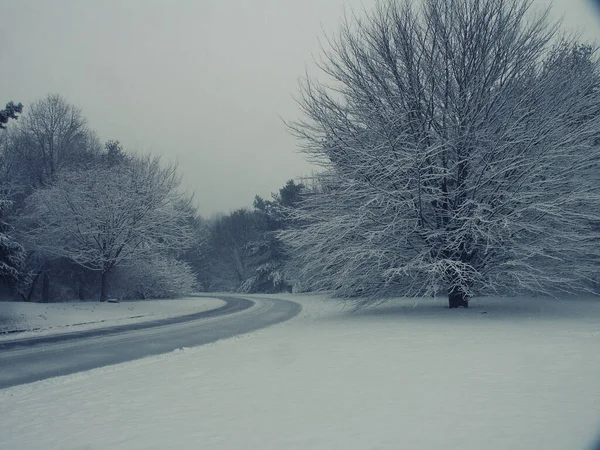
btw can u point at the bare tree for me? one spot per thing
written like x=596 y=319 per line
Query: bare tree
x=51 y=135
x=460 y=142
x=104 y=217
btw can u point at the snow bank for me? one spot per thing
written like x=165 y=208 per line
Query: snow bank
x=38 y=319
x=502 y=374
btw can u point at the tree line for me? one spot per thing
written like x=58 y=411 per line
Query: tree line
x=82 y=220
x=459 y=146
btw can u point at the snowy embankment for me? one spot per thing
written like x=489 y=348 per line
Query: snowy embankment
x=502 y=374
x=19 y=320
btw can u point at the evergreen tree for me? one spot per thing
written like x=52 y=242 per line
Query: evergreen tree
x=10 y=112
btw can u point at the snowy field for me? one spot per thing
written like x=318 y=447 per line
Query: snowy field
x=42 y=319
x=503 y=374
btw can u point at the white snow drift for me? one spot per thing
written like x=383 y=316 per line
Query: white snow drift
x=501 y=375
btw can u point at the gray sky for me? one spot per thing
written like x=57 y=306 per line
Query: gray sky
x=203 y=82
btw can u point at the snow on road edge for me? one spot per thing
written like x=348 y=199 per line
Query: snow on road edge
x=44 y=319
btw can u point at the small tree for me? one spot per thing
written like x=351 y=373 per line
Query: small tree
x=114 y=154
x=11 y=111
x=460 y=142
x=102 y=218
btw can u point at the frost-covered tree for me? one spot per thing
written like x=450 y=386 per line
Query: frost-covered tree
x=230 y=254
x=12 y=254
x=268 y=254
x=197 y=256
x=53 y=134
x=105 y=217
x=460 y=146
x=157 y=276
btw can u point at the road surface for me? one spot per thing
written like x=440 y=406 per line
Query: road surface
x=35 y=359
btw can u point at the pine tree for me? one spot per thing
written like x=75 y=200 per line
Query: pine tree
x=10 y=112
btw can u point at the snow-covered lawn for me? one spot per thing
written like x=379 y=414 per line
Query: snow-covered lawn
x=503 y=375
x=40 y=319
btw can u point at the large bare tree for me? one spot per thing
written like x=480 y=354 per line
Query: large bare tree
x=460 y=145
x=53 y=134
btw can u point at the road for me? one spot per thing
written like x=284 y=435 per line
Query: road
x=30 y=360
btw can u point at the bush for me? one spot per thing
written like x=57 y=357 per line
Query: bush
x=155 y=277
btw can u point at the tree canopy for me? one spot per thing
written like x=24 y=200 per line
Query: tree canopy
x=460 y=147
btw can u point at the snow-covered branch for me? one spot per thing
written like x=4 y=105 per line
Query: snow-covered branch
x=460 y=141
x=104 y=217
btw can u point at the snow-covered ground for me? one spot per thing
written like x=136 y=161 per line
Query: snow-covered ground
x=503 y=374
x=42 y=319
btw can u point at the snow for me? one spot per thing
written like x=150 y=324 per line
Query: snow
x=518 y=374
x=42 y=319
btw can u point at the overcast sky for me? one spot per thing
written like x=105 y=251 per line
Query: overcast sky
x=202 y=82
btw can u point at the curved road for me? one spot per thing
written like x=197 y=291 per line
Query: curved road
x=28 y=360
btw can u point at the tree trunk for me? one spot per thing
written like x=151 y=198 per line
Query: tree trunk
x=457 y=298
x=103 y=286
x=31 y=291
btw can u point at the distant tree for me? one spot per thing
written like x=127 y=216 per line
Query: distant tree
x=11 y=111
x=268 y=254
x=114 y=153
x=52 y=135
x=460 y=146
x=103 y=218
x=230 y=255
x=267 y=259
x=12 y=254
x=198 y=255
x=9 y=183
x=290 y=194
